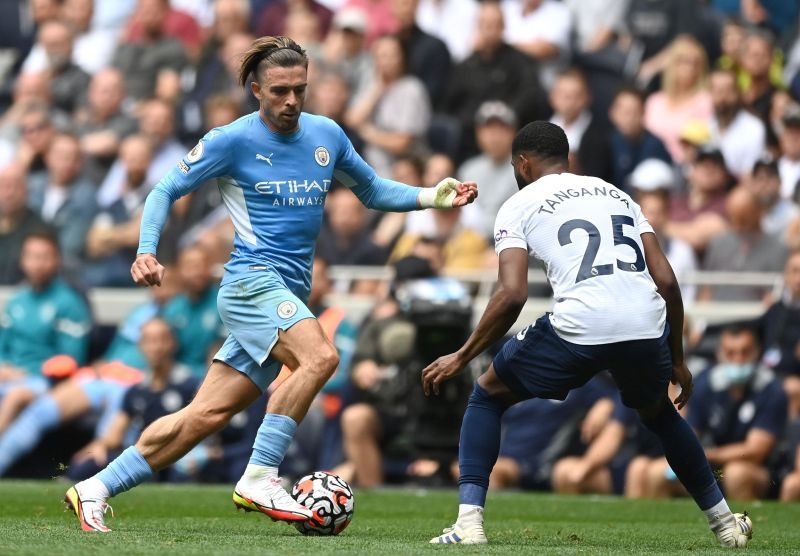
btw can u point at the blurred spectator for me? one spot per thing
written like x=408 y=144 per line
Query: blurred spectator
x=172 y=22
x=698 y=215
x=422 y=222
x=541 y=29
x=426 y=57
x=744 y=248
x=391 y=224
x=683 y=96
x=656 y=208
x=630 y=142
x=765 y=184
x=393 y=115
x=650 y=28
x=344 y=52
x=272 y=21
x=588 y=140
x=452 y=21
x=193 y=313
x=494 y=71
x=329 y=98
x=93 y=47
x=216 y=75
x=739 y=135
x=17 y=221
x=157 y=122
x=789 y=162
x=495 y=127
x=779 y=327
x=114 y=235
x=758 y=53
x=37 y=133
x=45 y=317
x=69 y=82
x=151 y=54
x=739 y=409
x=231 y=17
x=380 y=17
x=30 y=90
x=775 y=14
x=101 y=124
x=168 y=388
x=113 y=15
x=538 y=432
x=63 y=198
x=304 y=27
x=596 y=24
x=346 y=239
x=462 y=248
x=733 y=34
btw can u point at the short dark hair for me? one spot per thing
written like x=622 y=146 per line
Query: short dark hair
x=543 y=139
x=739 y=328
x=270 y=52
x=45 y=236
x=632 y=90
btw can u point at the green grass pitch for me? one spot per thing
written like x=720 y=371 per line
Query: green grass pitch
x=178 y=520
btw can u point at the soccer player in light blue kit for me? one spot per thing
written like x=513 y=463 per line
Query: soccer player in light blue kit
x=274 y=168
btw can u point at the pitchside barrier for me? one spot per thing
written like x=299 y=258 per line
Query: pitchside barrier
x=111 y=305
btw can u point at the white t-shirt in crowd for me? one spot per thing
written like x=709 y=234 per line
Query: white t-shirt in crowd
x=742 y=143
x=588 y=234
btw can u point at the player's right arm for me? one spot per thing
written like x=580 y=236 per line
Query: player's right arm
x=664 y=277
x=209 y=159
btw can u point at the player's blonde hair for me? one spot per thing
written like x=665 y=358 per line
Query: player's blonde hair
x=268 y=52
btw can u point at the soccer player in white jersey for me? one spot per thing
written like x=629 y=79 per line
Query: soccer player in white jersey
x=274 y=168
x=617 y=307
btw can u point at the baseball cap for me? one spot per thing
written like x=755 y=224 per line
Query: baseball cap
x=791 y=116
x=495 y=110
x=352 y=19
x=696 y=133
x=652 y=174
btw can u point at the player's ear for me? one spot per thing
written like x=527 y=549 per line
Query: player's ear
x=255 y=87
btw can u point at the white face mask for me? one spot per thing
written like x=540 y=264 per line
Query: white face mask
x=737 y=373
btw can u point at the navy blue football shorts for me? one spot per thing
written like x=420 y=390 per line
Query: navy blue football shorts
x=538 y=363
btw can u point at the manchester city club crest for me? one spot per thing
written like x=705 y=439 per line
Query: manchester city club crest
x=322 y=156
x=195 y=154
x=287 y=309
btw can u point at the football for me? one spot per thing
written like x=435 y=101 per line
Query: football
x=331 y=499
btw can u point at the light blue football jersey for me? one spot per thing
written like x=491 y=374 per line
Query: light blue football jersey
x=274 y=186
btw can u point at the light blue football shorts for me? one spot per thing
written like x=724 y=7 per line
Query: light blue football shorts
x=253 y=310
x=37 y=384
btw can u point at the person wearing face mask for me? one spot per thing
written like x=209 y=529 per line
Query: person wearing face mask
x=739 y=411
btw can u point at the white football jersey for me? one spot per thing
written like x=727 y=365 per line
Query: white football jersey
x=588 y=234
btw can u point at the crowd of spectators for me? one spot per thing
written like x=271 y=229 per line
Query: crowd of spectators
x=691 y=106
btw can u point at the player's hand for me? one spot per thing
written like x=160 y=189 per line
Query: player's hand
x=444 y=368
x=146 y=270
x=448 y=193
x=466 y=192
x=683 y=377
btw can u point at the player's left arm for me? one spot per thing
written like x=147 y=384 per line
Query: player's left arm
x=501 y=313
x=388 y=195
x=667 y=284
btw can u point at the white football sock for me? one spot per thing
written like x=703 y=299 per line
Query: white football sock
x=257 y=473
x=719 y=514
x=470 y=513
x=93 y=489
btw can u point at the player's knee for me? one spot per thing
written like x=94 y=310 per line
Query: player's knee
x=738 y=478
x=359 y=420
x=790 y=490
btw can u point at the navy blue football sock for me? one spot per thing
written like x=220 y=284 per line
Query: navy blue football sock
x=685 y=456
x=479 y=446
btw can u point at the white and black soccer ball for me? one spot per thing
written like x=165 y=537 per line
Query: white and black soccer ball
x=331 y=499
